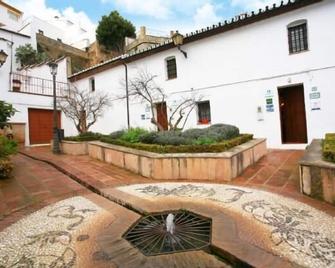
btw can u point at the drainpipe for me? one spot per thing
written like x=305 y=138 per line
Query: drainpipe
x=127 y=93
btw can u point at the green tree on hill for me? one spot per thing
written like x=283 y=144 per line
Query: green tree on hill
x=112 y=30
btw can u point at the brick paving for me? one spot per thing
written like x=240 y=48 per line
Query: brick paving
x=277 y=172
x=36 y=184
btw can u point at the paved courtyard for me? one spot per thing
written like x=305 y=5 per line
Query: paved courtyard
x=71 y=211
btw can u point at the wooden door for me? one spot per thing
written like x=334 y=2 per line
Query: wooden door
x=40 y=125
x=293 y=114
x=162 y=115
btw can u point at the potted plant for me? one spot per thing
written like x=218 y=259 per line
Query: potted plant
x=16 y=85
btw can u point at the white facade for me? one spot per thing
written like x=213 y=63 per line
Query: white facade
x=61 y=29
x=22 y=101
x=10 y=17
x=236 y=71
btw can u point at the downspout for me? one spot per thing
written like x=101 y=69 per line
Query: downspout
x=127 y=93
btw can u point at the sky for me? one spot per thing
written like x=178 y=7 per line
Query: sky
x=159 y=16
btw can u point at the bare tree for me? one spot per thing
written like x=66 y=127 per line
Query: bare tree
x=144 y=88
x=83 y=108
x=181 y=111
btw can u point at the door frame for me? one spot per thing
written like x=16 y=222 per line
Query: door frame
x=280 y=115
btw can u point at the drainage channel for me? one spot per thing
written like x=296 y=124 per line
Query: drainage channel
x=191 y=231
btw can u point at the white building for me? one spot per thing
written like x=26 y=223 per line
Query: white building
x=10 y=17
x=57 y=28
x=30 y=89
x=271 y=73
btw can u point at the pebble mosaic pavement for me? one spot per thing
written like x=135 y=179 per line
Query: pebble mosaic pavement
x=48 y=237
x=293 y=230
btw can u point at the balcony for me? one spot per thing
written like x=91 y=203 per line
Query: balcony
x=37 y=86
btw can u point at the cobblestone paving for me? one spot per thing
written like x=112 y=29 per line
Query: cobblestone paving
x=294 y=230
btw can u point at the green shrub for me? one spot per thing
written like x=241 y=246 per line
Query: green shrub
x=223 y=131
x=328 y=147
x=330 y=136
x=164 y=138
x=117 y=134
x=193 y=133
x=148 y=138
x=133 y=135
x=217 y=133
x=6 y=167
x=87 y=136
x=204 y=140
x=206 y=148
x=7 y=147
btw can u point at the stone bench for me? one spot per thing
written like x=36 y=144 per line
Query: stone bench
x=317 y=177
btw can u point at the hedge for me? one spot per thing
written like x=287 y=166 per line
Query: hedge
x=87 y=136
x=328 y=148
x=204 y=148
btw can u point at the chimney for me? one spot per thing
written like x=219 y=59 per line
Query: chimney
x=171 y=33
x=142 y=32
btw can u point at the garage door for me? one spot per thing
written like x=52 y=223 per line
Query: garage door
x=40 y=125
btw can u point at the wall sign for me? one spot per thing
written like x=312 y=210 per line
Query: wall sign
x=269 y=101
x=315 y=99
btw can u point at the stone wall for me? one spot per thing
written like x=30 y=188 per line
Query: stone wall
x=317 y=177
x=74 y=148
x=56 y=49
x=205 y=166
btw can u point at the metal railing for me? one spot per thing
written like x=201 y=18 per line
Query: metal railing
x=38 y=86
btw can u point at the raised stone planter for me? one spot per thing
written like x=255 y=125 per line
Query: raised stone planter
x=205 y=166
x=74 y=147
x=317 y=177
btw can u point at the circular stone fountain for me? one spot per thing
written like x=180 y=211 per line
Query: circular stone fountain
x=171 y=232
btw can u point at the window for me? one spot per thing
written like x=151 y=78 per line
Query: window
x=13 y=15
x=171 y=68
x=297 y=36
x=204 y=112
x=92 y=84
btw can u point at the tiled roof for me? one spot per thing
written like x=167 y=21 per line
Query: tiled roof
x=227 y=25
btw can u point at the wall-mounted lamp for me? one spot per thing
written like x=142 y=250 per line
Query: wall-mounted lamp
x=178 y=40
x=3 y=57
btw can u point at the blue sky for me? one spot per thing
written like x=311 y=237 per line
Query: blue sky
x=160 y=16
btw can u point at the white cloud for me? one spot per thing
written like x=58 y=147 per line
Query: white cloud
x=253 y=4
x=205 y=15
x=158 y=9
x=38 y=8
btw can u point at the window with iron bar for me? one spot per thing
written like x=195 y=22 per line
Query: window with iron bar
x=297 y=37
x=171 y=68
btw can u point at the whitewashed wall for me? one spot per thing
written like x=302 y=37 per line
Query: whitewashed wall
x=22 y=101
x=235 y=69
x=8 y=21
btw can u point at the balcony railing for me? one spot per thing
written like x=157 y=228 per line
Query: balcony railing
x=38 y=86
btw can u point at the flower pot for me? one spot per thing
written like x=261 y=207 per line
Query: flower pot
x=16 y=85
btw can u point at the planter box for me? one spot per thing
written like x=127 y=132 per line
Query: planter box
x=74 y=148
x=317 y=177
x=203 y=166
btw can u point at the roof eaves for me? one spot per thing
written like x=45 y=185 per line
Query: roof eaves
x=227 y=25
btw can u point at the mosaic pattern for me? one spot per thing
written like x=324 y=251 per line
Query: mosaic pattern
x=297 y=231
x=46 y=238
